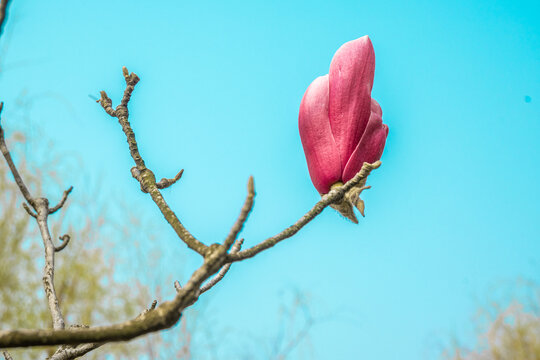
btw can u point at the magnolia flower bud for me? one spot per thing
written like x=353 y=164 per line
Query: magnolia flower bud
x=341 y=125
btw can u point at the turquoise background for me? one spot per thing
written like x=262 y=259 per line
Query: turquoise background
x=453 y=213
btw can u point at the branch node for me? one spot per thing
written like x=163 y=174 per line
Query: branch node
x=221 y=274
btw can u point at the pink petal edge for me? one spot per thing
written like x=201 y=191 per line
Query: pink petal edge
x=351 y=79
x=319 y=146
x=371 y=145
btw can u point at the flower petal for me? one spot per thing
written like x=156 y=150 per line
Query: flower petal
x=371 y=145
x=351 y=79
x=319 y=146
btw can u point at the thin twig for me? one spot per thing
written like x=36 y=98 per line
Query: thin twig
x=244 y=213
x=11 y=164
x=28 y=210
x=69 y=352
x=106 y=103
x=62 y=202
x=65 y=241
x=221 y=274
x=331 y=197
x=143 y=174
x=165 y=183
x=42 y=208
x=3 y=13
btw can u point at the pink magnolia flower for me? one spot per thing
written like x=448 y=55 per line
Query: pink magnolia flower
x=340 y=124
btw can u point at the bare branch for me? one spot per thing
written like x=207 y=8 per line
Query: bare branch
x=162 y=317
x=177 y=286
x=221 y=274
x=70 y=352
x=7 y=356
x=143 y=174
x=244 y=213
x=11 y=164
x=146 y=311
x=28 y=210
x=217 y=260
x=42 y=208
x=106 y=103
x=168 y=313
x=165 y=183
x=3 y=14
x=65 y=241
x=333 y=196
x=131 y=80
x=62 y=202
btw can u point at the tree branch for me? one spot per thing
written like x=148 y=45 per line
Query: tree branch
x=221 y=274
x=144 y=175
x=331 y=197
x=165 y=183
x=11 y=164
x=29 y=211
x=65 y=241
x=69 y=352
x=244 y=213
x=3 y=13
x=7 y=356
x=162 y=317
x=168 y=313
x=62 y=202
x=42 y=208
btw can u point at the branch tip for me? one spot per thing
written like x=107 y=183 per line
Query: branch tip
x=65 y=241
x=28 y=210
x=251 y=185
x=62 y=201
x=242 y=217
x=165 y=183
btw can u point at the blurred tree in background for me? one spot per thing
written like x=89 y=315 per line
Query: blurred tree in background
x=84 y=281
x=509 y=332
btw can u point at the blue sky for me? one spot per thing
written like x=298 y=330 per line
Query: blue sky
x=453 y=211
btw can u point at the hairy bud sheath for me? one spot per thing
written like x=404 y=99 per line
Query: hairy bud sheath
x=341 y=125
